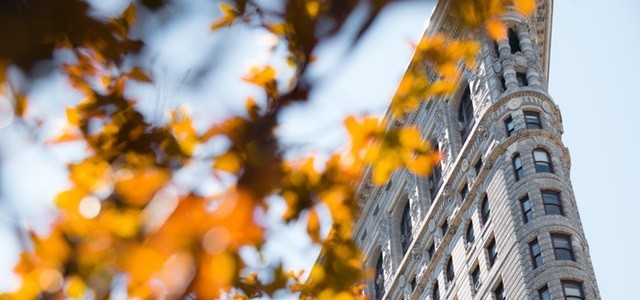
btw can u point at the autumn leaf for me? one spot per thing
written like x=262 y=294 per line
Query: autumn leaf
x=313 y=226
x=138 y=187
x=229 y=14
x=261 y=76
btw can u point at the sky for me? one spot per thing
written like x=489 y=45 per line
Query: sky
x=592 y=70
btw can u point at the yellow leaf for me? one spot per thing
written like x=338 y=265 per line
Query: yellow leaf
x=73 y=117
x=229 y=14
x=261 y=76
x=129 y=15
x=90 y=174
x=312 y=7
x=525 y=7
x=138 y=74
x=229 y=162
x=137 y=188
x=496 y=30
x=75 y=287
x=313 y=226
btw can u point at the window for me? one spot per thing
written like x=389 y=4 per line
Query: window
x=536 y=255
x=405 y=228
x=431 y=250
x=542 y=161
x=552 y=203
x=522 y=79
x=475 y=278
x=465 y=115
x=478 y=166
x=514 y=41
x=449 y=274
x=492 y=252
x=444 y=227
x=543 y=293
x=517 y=167
x=496 y=48
x=527 y=211
x=435 y=292
x=435 y=178
x=379 y=279
x=464 y=191
x=413 y=284
x=503 y=83
x=532 y=120
x=509 y=125
x=470 y=235
x=572 y=290
x=485 y=211
x=498 y=292
x=562 y=247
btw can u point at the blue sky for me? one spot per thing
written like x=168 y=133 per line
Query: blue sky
x=593 y=63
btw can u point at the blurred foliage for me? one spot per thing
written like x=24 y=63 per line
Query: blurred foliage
x=106 y=228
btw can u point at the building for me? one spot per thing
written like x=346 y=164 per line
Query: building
x=498 y=218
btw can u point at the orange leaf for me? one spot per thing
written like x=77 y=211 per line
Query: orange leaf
x=139 y=187
x=138 y=74
x=313 y=226
x=496 y=30
x=525 y=7
x=229 y=162
x=260 y=76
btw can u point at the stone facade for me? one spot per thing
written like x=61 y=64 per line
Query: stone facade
x=498 y=218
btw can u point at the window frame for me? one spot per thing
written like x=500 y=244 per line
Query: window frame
x=543 y=293
x=378 y=280
x=469 y=234
x=466 y=111
x=564 y=250
x=544 y=165
x=527 y=212
x=492 y=252
x=509 y=125
x=485 y=210
x=518 y=167
x=548 y=200
x=450 y=273
x=498 y=292
x=532 y=119
x=577 y=284
x=536 y=253
x=514 y=41
x=406 y=228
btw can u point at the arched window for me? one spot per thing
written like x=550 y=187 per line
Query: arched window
x=450 y=275
x=405 y=228
x=435 y=179
x=517 y=167
x=470 y=235
x=435 y=292
x=542 y=161
x=514 y=41
x=485 y=211
x=465 y=115
x=522 y=79
x=379 y=279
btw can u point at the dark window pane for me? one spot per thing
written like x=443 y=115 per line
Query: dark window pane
x=509 y=125
x=552 y=203
x=464 y=191
x=572 y=290
x=499 y=292
x=514 y=41
x=517 y=167
x=450 y=274
x=536 y=255
x=542 y=161
x=562 y=247
x=470 y=235
x=544 y=294
x=405 y=233
x=475 y=278
x=435 y=293
x=484 y=210
x=465 y=114
x=522 y=79
x=431 y=250
x=492 y=252
x=379 y=279
x=532 y=120
x=527 y=211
